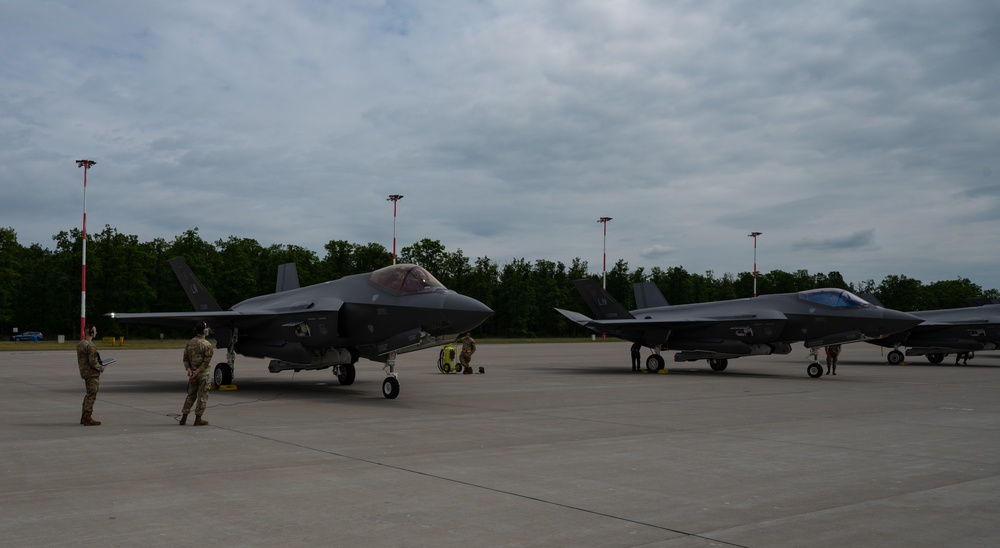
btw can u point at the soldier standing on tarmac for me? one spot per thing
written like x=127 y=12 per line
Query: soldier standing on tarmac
x=832 y=353
x=198 y=363
x=468 y=349
x=90 y=371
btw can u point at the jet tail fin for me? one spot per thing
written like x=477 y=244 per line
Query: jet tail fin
x=601 y=304
x=288 y=278
x=200 y=298
x=871 y=299
x=647 y=295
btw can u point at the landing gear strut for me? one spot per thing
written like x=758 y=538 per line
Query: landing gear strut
x=224 y=372
x=654 y=363
x=815 y=370
x=390 y=386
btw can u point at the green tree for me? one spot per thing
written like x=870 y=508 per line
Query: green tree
x=427 y=253
x=951 y=293
x=516 y=300
x=901 y=293
x=370 y=257
x=10 y=272
x=239 y=267
x=339 y=259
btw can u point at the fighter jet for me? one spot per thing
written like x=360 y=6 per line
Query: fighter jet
x=396 y=309
x=960 y=331
x=719 y=331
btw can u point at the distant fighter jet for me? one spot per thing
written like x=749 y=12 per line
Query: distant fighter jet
x=961 y=331
x=393 y=310
x=718 y=331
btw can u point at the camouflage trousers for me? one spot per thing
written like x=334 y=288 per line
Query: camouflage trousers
x=93 y=383
x=465 y=358
x=197 y=390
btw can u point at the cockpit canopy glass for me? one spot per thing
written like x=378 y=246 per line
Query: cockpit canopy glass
x=406 y=278
x=837 y=298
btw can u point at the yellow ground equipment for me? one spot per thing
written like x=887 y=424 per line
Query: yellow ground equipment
x=448 y=359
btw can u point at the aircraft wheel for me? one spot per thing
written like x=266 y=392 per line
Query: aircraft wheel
x=895 y=357
x=390 y=388
x=935 y=358
x=815 y=370
x=346 y=374
x=654 y=363
x=222 y=375
x=718 y=365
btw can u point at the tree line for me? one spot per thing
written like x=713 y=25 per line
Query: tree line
x=41 y=286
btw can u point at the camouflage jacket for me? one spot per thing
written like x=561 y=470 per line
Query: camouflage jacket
x=468 y=345
x=198 y=353
x=87 y=359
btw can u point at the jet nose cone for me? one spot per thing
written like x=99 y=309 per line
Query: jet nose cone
x=464 y=313
x=894 y=321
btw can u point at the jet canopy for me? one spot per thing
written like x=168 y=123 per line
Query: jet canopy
x=837 y=298
x=406 y=278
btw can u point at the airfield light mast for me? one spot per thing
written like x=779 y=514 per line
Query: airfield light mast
x=604 y=220
x=394 y=198
x=85 y=164
x=754 y=236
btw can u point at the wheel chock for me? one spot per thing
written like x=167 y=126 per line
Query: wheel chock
x=663 y=372
x=227 y=387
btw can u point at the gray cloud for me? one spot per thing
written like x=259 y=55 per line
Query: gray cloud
x=511 y=127
x=857 y=240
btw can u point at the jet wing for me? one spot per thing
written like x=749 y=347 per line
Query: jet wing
x=669 y=320
x=175 y=319
x=235 y=319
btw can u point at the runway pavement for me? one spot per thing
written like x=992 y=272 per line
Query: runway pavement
x=555 y=445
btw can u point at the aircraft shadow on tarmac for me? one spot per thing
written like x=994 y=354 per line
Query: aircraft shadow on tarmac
x=328 y=389
x=687 y=371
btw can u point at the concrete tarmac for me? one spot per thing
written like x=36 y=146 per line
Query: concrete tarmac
x=555 y=445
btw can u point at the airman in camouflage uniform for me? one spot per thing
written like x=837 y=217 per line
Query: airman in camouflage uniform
x=90 y=371
x=832 y=353
x=198 y=363
x=468 y=349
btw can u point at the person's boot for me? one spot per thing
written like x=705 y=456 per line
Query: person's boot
x=82 y=414
x=198 y=421
x=87 y=420
x=467 y=370
x=184 y=419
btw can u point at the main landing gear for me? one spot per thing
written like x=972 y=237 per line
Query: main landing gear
x=719 y=364
x=390 y=386
x=895 y=357
x=655 y=363
x=814 y=370
x=223 y=373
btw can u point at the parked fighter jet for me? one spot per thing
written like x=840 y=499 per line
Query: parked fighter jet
x=393 y=310
x=960 y=331
x=718 y=331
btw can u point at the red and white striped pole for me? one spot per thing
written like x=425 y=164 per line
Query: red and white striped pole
x=605 y=220
x=754 y=236
x=85 y=164
x=394 y=198
x=604 y=279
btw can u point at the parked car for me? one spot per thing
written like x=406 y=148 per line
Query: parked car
x=33 y=336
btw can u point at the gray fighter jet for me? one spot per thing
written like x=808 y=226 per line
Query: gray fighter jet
x=719 y=331
x=393 y=310
x=959 y=331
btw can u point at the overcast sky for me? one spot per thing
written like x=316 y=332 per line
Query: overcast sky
x=859 y=137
